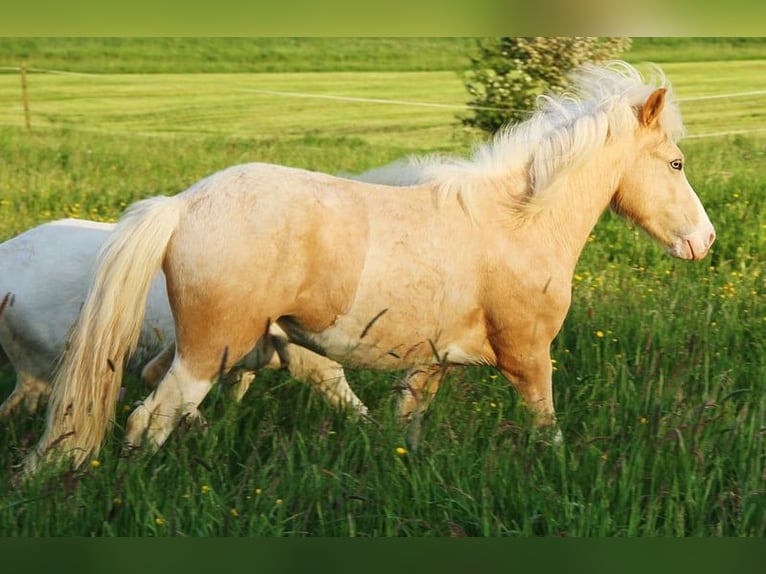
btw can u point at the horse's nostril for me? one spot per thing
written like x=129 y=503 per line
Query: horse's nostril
x=711 y=238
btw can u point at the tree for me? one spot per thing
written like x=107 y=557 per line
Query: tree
x=508 y=74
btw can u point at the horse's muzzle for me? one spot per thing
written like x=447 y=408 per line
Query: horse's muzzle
x=694 y=246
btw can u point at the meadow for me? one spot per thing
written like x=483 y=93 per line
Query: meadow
x=660 y=368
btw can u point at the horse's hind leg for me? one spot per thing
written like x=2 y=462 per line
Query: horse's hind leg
x=178 y=394
x=201 y=354
x=274 y=351
x=324 y=375
x=155 y=369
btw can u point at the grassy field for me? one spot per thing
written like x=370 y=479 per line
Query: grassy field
x=222 y=55
x=660 y=366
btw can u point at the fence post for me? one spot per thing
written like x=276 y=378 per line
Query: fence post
x=25 y=95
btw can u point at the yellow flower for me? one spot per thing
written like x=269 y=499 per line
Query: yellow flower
x=279 y=501
x=258 y=491
x=205 y=489
x=234 y=512
x=159 y=521
x=643 y=420
x=117 y=501
x=401 y=451
x=600 y=334
x=95 y=463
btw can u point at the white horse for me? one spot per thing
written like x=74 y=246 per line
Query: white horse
x=44 y=277
x=473 y=267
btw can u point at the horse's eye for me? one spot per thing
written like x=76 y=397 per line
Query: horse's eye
x=677 y=164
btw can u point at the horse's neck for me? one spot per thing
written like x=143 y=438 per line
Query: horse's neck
x=576 y=206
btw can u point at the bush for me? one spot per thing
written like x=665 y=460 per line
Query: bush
x=508 y=74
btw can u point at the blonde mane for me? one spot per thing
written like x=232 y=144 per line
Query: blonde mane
x=562 y=133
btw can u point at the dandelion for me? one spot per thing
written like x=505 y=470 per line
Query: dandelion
x=95 y=463
x=493 y=405
x=643 y=420
x=600 y=334
x=159 y=521
x=258 y=491
x=401 y=451
x=233 y=512
x=204 y=489
x=117 y=501
x=278 y=501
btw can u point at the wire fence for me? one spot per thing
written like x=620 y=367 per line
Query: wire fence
x=285 y=94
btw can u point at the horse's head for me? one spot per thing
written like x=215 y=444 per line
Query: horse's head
x=653 y=190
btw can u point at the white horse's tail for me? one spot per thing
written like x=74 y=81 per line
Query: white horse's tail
x=87 y=381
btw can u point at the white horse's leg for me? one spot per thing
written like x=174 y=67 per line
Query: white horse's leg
x=29 y=390
x=262 y=356
x=243 y=378
x=418 y=390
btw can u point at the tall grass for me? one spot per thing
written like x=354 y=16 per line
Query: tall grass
x=658 y=383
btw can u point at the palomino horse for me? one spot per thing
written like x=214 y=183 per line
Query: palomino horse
x=473 y=267
x=45 y=276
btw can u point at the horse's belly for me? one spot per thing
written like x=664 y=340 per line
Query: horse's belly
x=364 y=346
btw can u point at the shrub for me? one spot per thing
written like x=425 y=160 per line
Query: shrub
x=508 y=74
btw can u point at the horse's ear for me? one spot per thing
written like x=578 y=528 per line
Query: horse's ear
x=652 y=107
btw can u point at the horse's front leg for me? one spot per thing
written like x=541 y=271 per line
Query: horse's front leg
x=530 y=371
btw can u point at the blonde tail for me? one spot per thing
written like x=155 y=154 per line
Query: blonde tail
x=87 y=381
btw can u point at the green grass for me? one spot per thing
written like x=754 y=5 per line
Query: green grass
x=258 y=55
x=660 y=366
x=221 y=55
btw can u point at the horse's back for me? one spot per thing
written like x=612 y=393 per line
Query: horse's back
x=46 y=271
x=50 y=261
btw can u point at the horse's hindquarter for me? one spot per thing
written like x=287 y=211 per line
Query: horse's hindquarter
x=261 y=242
